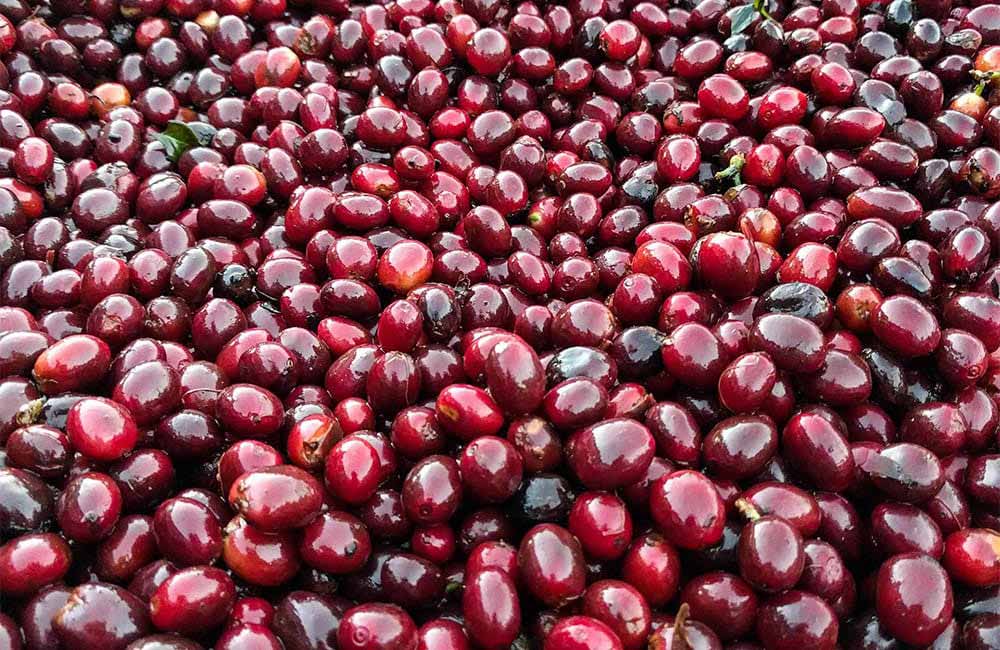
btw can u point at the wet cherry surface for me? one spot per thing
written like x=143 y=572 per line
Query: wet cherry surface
x=492 y=324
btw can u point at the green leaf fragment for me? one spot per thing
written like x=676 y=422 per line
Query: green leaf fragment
x=178 y=137
x=743 y=17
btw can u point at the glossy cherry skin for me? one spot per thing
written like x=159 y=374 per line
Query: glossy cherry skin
x=771 y=556
x=376 y=626
x=432 y=490
x=41 y=449
x=441 y=632
x=746 y=382
x=790 y=619
x=100 y=614
x=277 y=498
x=694 y=355
x=249 y=411
x=187 y=531
x=335 y=542
x=723 y=601
x=792 y=342
x=610 y=454
x=550 y=563
x=248 y=636
x=89 y=507
x=192 y=599
x=467 y=411
x=622 y=608
x=305 y=620
x=578 y=632
x=971 y=556
x=687 y=509
x=602 y=524
x=72 y=363
x=739 y=447
x=352 y=470
x=819 y=450
x=905 y=471
x=913 y=598
x=37 y=621
x=677 y=434
x=906 y=326
x=491 y=469
x=512 y=368
x=723 y=261
x=491 y=608
x=130 y=546
x=259 y=557
x=101 y=429
x=36 y=560
x=900 y=528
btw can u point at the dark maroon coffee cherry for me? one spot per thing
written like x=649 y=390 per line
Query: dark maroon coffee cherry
x=491 y=607
x=259 y=557
x=376 y=625
x=739 y=447
x=771 y=556
x=89 y=507
x=187 y=531
x=515 y=376
x=192 y=599
x=796 y=617
x=277 y=498
x=101 y=614
x=31 y=562
x=74 y=362
x=723 y=601
x=551 y=565
x=491 y=469
x=687 y=509
x=913 y=597
x=610 y=454
x=602 y=524
x=906 y=472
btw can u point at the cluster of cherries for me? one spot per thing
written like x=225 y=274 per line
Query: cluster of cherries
x=488 y=325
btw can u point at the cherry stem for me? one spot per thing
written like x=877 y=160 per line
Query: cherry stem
x=733 y=170
x=747 y=509
x=984 y=79
x=758 y=5
x=29 y=413
x=680 y=641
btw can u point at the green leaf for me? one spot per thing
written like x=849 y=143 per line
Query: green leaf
x=178 y=137
x=202 y=131
x=743 y=17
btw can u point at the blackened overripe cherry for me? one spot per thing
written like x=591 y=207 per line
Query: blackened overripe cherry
x=236 y=282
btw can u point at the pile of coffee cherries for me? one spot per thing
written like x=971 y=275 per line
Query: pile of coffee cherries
x=499 y=324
